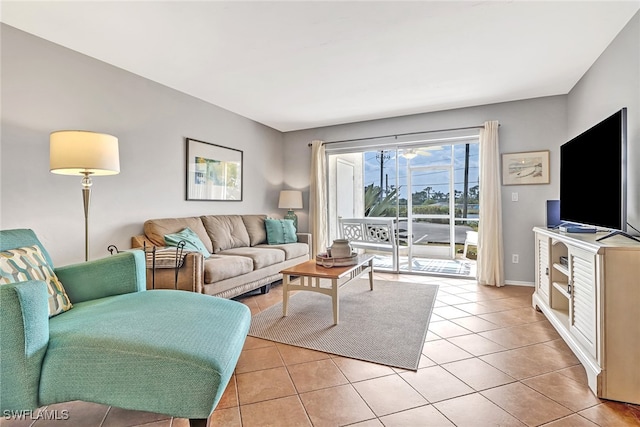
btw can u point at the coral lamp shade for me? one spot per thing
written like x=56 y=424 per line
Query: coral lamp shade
x=290 y=199
x=77 y=152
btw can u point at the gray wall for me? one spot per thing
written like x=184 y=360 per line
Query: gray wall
x=611 y=83
x=46 y=87
x=535 y=124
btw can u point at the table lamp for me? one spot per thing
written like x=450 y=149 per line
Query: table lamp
x=77 y=152
x=291 y=199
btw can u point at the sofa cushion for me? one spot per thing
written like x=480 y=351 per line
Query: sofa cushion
x=29 y=263
x=221 y=267
x=291 y=250
x=191 y=239
x=262 y=257
x=156 y=229
x=226 y=231
x=255 y=228
x=193 y=352
x=280 y=231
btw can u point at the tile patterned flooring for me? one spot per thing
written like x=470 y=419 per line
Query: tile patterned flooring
x=489 y=360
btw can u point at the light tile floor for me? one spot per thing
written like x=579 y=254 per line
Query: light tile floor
x=489 y=359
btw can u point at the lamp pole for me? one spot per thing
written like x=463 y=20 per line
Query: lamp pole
x=86 y=199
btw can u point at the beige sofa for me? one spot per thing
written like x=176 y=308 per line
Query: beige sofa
x=241 y=259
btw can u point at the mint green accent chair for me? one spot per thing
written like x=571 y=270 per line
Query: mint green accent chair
x=163 y=351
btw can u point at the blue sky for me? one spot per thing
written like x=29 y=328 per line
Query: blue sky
x=422 y=179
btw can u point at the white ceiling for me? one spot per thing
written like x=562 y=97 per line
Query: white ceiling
x=295 y=65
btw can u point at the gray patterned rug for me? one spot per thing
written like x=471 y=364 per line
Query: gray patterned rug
x=387 y=325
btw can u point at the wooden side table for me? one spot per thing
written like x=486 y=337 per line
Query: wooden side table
x=310 y=274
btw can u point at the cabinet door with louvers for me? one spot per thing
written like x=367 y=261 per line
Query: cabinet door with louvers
x=542 y=266
x=582 y=269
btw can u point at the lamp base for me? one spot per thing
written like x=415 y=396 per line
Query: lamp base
x=292 y=216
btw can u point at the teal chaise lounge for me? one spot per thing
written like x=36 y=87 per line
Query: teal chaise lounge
x=162 y=351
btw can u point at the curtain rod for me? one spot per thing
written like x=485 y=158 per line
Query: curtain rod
x=402 y=134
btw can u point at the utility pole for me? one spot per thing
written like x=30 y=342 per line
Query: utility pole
x=465 y=192
x=381 y=157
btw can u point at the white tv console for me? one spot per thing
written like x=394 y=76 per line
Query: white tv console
x=594 y=303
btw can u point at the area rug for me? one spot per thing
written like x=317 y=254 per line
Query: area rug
x=387 y=325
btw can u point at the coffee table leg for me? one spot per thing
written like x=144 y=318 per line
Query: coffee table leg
x=285 y=293
x=371 y=273
x=334 y=297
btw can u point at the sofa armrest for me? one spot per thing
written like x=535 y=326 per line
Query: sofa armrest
x=24 y=333
x=114 y=275
x=306 y=238
x=140 y=241
x=190 y=275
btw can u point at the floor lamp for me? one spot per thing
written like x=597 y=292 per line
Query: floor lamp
x=76 y=152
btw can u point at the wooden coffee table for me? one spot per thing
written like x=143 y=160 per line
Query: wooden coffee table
x=310 y=274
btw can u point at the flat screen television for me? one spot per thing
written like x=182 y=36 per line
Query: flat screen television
x=593 y=175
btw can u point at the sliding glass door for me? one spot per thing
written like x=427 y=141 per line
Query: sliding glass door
x=429 y=220
x=430 y=190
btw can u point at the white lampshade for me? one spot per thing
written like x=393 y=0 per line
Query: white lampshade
x=290 y=199
x=76 y=152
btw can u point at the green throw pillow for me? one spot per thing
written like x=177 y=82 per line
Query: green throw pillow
x=28 y=263
x=191 y=239
x=280 y=231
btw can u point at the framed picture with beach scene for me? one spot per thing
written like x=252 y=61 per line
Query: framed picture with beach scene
x=531 y=167
x=214 y=172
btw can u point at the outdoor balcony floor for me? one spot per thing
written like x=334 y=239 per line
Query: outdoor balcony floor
x=459 y=267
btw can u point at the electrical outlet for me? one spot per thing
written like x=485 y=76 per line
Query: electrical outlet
x=515 y=258
x=514 y=197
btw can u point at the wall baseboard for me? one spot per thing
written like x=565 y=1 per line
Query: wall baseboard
x=519 y=283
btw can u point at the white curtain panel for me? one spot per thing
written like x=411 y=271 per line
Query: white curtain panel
x=318 y=198
x=490 y=249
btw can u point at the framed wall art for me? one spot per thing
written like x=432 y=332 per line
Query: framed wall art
x=214 y=172
x=531 y=167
